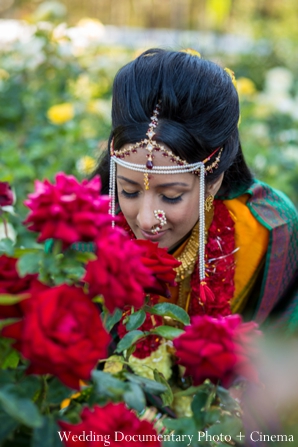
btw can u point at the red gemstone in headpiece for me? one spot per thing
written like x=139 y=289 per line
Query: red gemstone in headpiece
x=149 y=164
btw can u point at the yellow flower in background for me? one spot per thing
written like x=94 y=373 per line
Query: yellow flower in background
x=61 y=113
x=218 y=11
x=4 y=74
x=86 y=165
x=93 y=106
x=246 y=87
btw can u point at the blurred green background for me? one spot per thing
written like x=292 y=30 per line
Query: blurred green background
x=58 y=60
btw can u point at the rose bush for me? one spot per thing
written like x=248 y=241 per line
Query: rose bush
x=68 y=309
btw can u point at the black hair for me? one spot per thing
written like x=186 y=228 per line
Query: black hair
x=199 y=112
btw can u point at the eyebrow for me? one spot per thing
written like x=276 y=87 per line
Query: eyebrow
x=163 y=185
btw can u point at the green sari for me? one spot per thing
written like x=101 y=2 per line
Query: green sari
x=277 y=300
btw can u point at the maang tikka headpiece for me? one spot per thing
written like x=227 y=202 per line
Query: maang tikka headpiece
x=179 y=167
x=182 y=166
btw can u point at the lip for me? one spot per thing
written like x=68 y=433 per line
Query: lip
x=153 y=237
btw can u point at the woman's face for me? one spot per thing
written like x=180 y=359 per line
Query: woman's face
x=176 y=194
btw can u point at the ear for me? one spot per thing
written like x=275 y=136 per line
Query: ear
x=213 y=188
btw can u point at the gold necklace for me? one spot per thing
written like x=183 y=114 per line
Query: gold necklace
x=190 y=253
x=189 y=256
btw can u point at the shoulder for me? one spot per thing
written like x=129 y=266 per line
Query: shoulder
x=271 y=207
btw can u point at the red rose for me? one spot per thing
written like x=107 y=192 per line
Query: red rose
x=113 y=423
x=68 y=210
x=61 y=334
x=6 y=194
x=161 y=264
x=11 y=283
x=118 y=273
x=217 y=349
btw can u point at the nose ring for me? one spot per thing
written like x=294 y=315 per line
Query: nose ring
x=161 y=216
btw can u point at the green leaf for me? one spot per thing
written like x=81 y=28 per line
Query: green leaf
x=9 y=300
x=112 y=319
x=182 y=426
x=189 y=391
x=198 y=408
x=57 y=392
x=135 y=320
x=6 y=377
x=83 y=257
x=227 y=401
x=109 y=386
x=29 y=386
x=129 y=339
x=130 y=351
x=12 y=360
x=28 y=263
x=150 y=386
x=170 y=310
x=167 y=332
x=231 y=425
x=5 y=351
x=19 y=407
x=134 y=397
x=19 y=252
x=212 y=416
x=47 y=434
x=167 y=396
x=99 y=299
x=7 y=425
x=75 y=272
x=6 y=246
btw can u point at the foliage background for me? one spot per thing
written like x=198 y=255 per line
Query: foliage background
x=50 y=59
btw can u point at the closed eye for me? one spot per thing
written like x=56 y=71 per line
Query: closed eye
x=129 y=195
x=171 y=199
x=166 y=199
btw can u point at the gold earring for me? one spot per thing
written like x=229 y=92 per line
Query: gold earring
x=209 y=213
x=209 y=203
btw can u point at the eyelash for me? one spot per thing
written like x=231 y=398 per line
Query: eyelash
x=133 y=195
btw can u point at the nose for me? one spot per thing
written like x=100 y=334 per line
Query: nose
x=146 y=218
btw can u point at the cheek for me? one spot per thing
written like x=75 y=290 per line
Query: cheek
x=184 y=217
x=128 y=208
